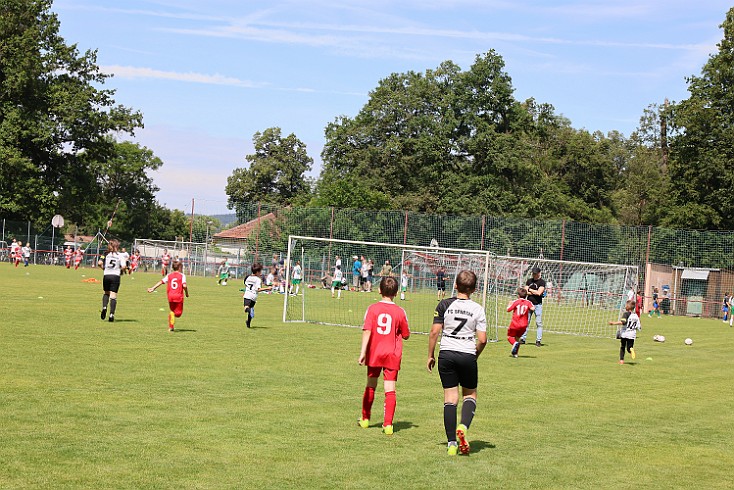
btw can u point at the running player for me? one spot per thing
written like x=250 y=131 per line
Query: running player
x=253 y=285
x=113 y=264
x=629 y=325
x=520 y=309
x=134 y=261
x=78 y=256
x=14 y=251
x=403 y=285
x=385 y=327
x=26 y=251
x=462 y=325
x=175 y=288
x=68 y=252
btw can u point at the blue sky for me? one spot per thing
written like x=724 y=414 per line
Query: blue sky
x=208 y=74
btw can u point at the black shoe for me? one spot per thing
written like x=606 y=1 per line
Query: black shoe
x=112 y=318
x=103 y=314
x=537 y=343
x=522 y=341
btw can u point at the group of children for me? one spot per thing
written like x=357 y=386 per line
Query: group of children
x=20 y=253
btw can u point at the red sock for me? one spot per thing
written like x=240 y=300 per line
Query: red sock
x=390 y=403
x=511 y=340
x=367 y=399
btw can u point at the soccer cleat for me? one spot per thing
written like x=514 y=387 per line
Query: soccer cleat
x=621 y=361
x=112 y=318
x=103 y=314
x=387 y=429
x=515 y=349
x=364 y=423
x=537 y=343
x=522 y=341
x=461 y=436
x=452 y=449
x=170 y=329
x=632 y=353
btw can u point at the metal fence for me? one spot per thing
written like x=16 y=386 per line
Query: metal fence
x=664 y=256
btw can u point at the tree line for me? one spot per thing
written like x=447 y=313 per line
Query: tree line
x=446 y=141
x=453 y=141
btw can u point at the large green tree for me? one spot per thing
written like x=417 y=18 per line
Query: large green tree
x=57 y=153
x=276 y=172
x=702 y=151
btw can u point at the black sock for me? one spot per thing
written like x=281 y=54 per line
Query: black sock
x=449 y=421
x=105 y=299
x=467 y=411
x=113 y=305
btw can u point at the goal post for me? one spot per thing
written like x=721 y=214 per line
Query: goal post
x=318 y=257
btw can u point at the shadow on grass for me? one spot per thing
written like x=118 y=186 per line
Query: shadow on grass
x=403 y=425
x=476 y=446
x=124 y=321
x=184 y=330
x=256 y=327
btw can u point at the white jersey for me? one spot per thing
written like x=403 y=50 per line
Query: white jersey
x=404 y=281
x=113 y=264
x=338 y=275
x=125 y=258
x=365 y=270
x=630 y=325
x=26 y=252
x=252 y=285
x=461 y=319
x=338 y=263
x=297 y=272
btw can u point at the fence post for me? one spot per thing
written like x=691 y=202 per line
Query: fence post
x=257 y=234
x=331 y=236
x=28 y=236
x=484 y=222
x=405 y=230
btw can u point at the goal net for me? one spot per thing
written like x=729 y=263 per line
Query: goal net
x=580 y=297
x=416 y=267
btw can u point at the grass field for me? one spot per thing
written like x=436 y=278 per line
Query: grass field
x=89 y=404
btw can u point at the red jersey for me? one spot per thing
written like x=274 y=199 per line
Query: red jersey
x=175 y=282
x=389 y=326
x=165 y=260
x=520 y=309
x=67 y=254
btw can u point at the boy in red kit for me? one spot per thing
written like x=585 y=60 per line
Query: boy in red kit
x=176 y=287
x=165 y=260
x=78 y=255
x=67 y=257
x=519 y=323
x=638 y=302
x=385 y=327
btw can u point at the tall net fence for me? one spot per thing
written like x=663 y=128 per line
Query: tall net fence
x=692 y=269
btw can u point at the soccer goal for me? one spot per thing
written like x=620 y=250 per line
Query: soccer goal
x=580 y=297
x=417 y=266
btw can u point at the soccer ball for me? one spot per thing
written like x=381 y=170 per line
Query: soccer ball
x=224 y=282
x=659 y=338
x=689 y=341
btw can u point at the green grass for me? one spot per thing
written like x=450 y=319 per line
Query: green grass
x=89 y=404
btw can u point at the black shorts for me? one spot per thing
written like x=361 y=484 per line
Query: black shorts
x=250 y=302
x=441 y=286
x=111 y=283
x=457 y=368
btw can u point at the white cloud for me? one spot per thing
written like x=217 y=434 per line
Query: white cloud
x=133 y=72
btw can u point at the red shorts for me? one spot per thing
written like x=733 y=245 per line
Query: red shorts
x=516 y=331
x=388 y=375
x=176 y=308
